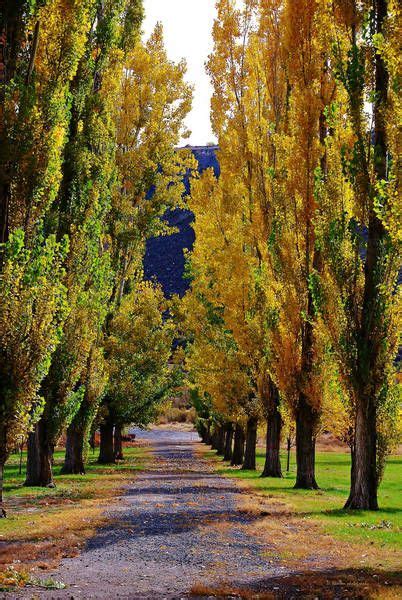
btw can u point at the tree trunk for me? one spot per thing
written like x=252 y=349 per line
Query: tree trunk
x=272 y=467
x=106 y=451
x=306 y=416
x=363 y=490
x=228 y=442
x=208 y=434
x=238 y=446
x=370 y=363
x=2 y=511
x=92 y=440
x=202 y=430
x=74 y=460
x=289 y=445
x=214 y=439
x=39 y=458
x=251 y=442
x=118 y=443
x=306 y=420
x=220 y=440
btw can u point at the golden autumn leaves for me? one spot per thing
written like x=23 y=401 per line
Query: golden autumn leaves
x=280 y=282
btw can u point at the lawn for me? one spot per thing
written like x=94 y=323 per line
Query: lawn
x=46 y=524
x=382 y=527
x=72 y=485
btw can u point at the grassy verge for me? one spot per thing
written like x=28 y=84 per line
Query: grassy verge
x=44 y=525
x=322 y=509
x=333 y=472
x=325 y=552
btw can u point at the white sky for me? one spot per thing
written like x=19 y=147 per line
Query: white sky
x=188 y=34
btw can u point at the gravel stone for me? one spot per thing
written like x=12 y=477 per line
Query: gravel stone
x=177 y=526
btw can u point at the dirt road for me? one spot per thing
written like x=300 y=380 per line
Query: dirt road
x=177 y=528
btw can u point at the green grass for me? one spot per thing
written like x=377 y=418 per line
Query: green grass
x=13 y=481
x=325 y=505
x=76 y=498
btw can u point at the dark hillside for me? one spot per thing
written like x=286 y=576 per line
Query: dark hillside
x=164 y=258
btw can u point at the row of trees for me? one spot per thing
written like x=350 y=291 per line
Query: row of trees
x=294 y=307
x=89 y=120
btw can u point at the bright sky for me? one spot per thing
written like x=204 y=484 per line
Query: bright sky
x=187 y=27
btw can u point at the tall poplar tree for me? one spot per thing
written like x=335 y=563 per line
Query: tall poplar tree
x=37 y=64
x=80 y=211
x=363 y=238
x=153 y=102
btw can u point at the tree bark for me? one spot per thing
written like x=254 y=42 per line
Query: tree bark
x=2 y=510
x=272 y=466
x=251 y=442
x=202 y=430
x=228 y=442
x=370 y=364
x=106 y=451
x=363 y=490
x=39 y=458
x=214 y=439
x=118 y=443
x=306 y=416
x=306 y=420
x=289 y=445
x=208 y=434
x=238 y=446
x=220 y=440
x=74 y=459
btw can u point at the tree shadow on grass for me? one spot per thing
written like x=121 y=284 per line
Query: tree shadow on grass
x=341 y=513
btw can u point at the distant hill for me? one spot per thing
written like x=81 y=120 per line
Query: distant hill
x=164 y=258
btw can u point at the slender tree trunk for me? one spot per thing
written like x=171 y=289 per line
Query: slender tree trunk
x=228 y=442
x=363 y=492
x=306 y=420
x=238 y=446
x=370 y=365
x=3 y=458
x=306 y=416
x=92 y=440
x=272 y=467
x=208 y=434
x=2 y=510
x=251 y=442
x=202 y=430
x=74 y=460
x=106 y=451
x=213 y=440
x=289 y=445
x=21 y=449
x=220 y=442
x=39 y=458
x=118 y=443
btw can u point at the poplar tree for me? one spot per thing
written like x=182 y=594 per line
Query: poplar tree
x=80 y=211
x=37 y=64
x=154 y=100
x=363 y=240
x=138 y=348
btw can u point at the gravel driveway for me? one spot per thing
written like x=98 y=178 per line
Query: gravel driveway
x=177 y=527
